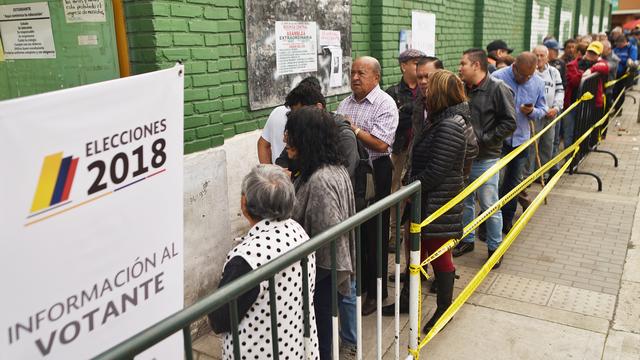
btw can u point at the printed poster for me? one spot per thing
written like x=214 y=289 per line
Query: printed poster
x=26 y=31
x=423 y=32
x=76 y=11
x=296 y=47
x=91 y=217
x=335 y=79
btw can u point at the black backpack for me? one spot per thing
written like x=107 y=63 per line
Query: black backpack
x=364 y=187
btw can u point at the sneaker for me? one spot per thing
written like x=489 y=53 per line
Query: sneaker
x=347 y=351
x=497 y=264
x=462 y=248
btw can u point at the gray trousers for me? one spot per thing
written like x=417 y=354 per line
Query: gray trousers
x=545 y=146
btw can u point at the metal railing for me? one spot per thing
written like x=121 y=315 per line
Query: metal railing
x=229 y=294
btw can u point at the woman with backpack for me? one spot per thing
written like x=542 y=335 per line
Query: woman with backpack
x=438 y=161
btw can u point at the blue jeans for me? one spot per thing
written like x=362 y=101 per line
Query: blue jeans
x=487 y=195
x=512 y=178
x=568 y=125
x=347 y=313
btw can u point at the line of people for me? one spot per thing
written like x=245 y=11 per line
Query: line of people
x=435 y=126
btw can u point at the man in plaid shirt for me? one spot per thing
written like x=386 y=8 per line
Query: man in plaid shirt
x=374 y=119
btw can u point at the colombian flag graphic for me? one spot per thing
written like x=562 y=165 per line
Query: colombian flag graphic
x=56 y=179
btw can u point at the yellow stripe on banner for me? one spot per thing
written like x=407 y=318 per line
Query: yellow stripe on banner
x=47 y=182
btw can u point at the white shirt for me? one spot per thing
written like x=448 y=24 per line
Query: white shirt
x=273 y=131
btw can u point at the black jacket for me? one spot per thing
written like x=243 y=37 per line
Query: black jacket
x=404 y=98
x=493 y=116
x=437 y=160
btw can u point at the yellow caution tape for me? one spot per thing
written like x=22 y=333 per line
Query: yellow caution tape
x=499 y=165
x=515 y=230
x=613 y=82
x=415 y=228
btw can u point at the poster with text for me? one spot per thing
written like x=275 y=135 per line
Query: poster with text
x=296 y=47
x=423 y=32
x=84 y=11
x=26 y=31
x=91 y=217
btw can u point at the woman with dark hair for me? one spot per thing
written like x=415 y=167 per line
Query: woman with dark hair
x=324 y=197
x=438 y=161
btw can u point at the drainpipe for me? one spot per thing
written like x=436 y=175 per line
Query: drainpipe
x=121 y=38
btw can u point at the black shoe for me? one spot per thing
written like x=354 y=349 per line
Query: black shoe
x=434 y=286
x=506 y=227
x=369 y=306
x=497 y=265
x=390 y=310
x=443 y=299
x=462 y=248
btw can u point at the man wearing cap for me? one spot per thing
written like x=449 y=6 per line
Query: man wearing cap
x=554 y=58
x=628 y=55
x=578 y=68
x=404 y=94
x=495 y=51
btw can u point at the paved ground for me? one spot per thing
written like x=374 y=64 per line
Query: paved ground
x=569 y=288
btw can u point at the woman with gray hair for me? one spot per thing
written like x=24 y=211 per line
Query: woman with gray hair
x=267 y=202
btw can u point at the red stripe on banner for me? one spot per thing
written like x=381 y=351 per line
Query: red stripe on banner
x=71 y=174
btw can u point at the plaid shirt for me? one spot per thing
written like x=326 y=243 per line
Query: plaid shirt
x=376 y=114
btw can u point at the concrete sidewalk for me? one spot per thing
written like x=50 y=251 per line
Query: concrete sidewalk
x=569 y=287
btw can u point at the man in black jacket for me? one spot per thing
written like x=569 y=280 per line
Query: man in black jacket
x=493 y=117
x=404 y=94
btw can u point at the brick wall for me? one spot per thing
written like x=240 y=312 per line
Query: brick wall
x=208 y=35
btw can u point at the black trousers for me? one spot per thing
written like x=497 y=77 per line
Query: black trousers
x=383 y=170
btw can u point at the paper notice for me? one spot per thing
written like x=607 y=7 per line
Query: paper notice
x=335 y=80
x=329 y=38
x=423 y=26
x=26 y=31
x=405 y=40
x=296 y=47
x=84 y=11
x=84 y=40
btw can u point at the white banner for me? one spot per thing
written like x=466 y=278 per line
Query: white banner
x=91 y=217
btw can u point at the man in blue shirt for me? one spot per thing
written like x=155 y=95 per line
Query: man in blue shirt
x=628 y=55
x=528 y=90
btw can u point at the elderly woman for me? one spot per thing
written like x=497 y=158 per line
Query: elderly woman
x=268 y=199
x=324 y=198
x=437 y=160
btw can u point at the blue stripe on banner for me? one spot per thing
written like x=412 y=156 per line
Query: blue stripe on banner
x=62 y=179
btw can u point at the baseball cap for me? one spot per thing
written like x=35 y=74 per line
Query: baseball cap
x=596 y=47
x=552 y=44
x=411 y=54
x=498 y=45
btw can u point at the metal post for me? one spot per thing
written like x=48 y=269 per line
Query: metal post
x=188 y=350
x=358 y=295
x=379 y=286
x=414 y=278
x=334 y=303
x=304 y=263
x=397 y=282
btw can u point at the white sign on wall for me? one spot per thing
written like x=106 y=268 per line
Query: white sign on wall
x=91 y=217
x=26 y=31
x=84 y=11
x=296 y=47
x=423 y=32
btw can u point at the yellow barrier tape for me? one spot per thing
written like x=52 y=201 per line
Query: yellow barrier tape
x=613 y=82
x=499 y=165
x=415 y=228
x=515 y=231
x=613 y=105
x=486 y=268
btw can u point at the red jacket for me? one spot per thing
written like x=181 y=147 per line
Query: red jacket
x=574 y=75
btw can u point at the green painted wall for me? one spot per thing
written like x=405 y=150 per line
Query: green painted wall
x=74 y=64
x=208 y=35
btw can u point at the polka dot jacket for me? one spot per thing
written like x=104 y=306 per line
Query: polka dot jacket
x=264 y=242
